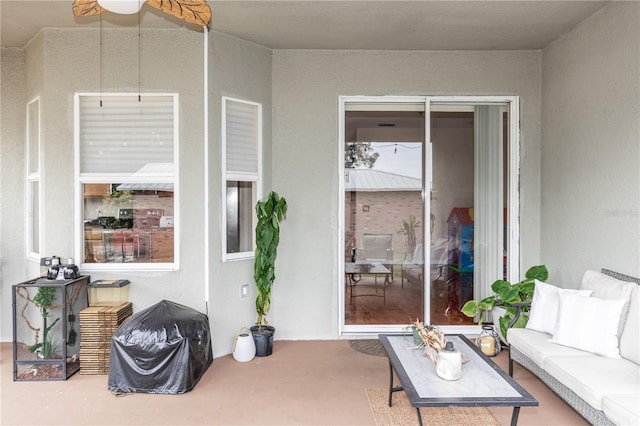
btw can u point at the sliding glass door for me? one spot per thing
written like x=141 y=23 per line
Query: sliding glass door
x=429 y=207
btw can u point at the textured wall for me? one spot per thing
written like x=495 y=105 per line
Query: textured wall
x=241 y=70
x=306 y=87
x=591 y=148
x=60 y=62
x=12 y=157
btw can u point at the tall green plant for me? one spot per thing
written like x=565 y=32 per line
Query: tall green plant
x=44 y=300
x=270 y=212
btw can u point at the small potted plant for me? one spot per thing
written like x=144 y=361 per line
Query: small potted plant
x=270 y=212
x=514 y=299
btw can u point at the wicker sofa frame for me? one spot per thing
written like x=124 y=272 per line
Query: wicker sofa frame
x=592 y=415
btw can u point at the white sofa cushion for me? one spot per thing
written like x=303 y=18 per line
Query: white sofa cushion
x=543 y=315
x=606 y=287
x=537 y=346
x=589 y=324
x=594 y=377
x=630 y=338
x=622 y=409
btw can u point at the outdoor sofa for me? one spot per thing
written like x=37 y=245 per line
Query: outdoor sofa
x=591 y=355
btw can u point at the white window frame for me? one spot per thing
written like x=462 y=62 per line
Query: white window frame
x=33 y=177
x=83 y=178
x=254 y=178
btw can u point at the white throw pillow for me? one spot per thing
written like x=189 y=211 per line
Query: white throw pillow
x=589 y=324
x=606 y=287
x=543 y=315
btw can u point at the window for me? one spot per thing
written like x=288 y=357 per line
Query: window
x=126 y=170
x=242 y=174
x=33 y=179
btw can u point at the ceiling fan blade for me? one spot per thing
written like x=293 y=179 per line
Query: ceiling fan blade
x=193 y=11
x=86 y=8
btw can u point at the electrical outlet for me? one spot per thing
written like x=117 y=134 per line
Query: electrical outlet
x=244 y=290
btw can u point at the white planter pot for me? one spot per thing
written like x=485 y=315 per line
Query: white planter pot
x=244 y=348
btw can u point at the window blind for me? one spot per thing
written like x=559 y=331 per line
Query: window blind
x=124 y=134
x=242 y=121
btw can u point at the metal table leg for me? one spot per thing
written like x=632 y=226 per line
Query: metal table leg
x=514 y=416
x=397 y=389
x=391 y=388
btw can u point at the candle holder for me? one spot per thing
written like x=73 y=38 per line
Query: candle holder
x=488 y=341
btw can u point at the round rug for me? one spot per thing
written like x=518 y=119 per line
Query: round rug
x=368 y=346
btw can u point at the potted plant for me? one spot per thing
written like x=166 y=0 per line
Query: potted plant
x=514 y=299
x=270 y=212
x=44 y=300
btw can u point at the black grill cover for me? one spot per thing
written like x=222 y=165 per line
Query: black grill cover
x=165 y=349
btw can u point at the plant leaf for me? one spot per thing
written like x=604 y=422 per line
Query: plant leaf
x=487 y=303
x=470 y=308
x=499 y=286
x=538 y=272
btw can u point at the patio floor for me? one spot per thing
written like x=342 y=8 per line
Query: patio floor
x=302 y=383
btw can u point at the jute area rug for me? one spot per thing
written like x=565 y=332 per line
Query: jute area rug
x=403 y=414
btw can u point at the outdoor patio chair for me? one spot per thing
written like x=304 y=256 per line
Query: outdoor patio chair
x=377 y=248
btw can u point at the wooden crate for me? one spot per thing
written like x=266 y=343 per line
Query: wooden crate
x=97 y=326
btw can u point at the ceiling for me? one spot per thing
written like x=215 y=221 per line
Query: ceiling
x=332 y=24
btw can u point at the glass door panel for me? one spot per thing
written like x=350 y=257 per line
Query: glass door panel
x=467 y=205
x=383 y=181
x=412 y=256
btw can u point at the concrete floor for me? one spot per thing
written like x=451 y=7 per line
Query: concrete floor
x=302 y=383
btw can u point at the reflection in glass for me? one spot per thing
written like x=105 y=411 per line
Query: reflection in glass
x=34 y=216
x=383 y=216
x=239 y=216
x=128 y=223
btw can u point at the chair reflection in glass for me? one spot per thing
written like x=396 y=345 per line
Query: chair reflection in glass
x=376 y=249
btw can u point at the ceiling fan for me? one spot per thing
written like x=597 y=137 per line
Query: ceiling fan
x=193 y=11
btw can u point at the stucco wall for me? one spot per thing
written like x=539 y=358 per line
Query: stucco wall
x=590 y=145
x=242 y=70
x=306 y=87
x=12 y=216
x=61 y=62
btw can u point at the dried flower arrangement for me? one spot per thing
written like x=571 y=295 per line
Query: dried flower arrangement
x=433 y=339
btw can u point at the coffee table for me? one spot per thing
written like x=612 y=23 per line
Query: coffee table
x=483 y=383
x=358 y=268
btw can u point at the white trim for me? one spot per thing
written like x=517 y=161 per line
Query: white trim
x=341 y=287
x=34 y=177
x=513 y=242
x=207 y=199
x=514 y=168
x=428 y=161
x=80 y=179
